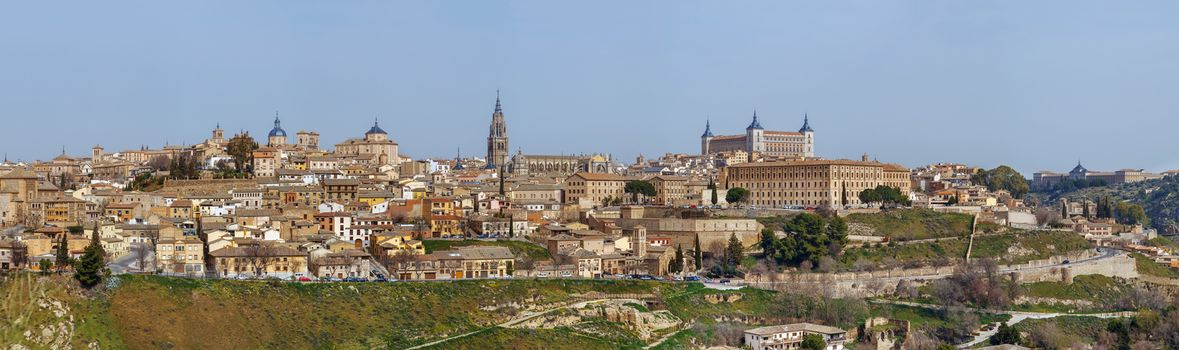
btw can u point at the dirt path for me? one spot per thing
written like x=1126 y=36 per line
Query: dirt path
x=1016 y=317
x=525 y=316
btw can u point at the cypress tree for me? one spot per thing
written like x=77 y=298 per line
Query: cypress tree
x=698 y=255
x=89 y=269
x=1085 y=209
x=63 y=251
x=677 y=266
x=712 y=187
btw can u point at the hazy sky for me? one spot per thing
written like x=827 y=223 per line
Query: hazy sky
x=1033 y=84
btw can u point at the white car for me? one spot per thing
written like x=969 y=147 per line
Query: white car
x=566 y=275
x=542 y=275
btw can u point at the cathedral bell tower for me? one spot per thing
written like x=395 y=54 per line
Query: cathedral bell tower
x=497 y=138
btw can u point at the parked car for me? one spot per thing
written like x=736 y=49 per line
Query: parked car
x=542 y=274
x=243 y=277
x=566 y=274
x=334 y=279
x=692 y=278
x=725 y=281
x=355 y=279
x=304 y=279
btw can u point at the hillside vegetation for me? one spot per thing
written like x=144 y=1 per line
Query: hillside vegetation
x=914 y=224
x=149 y=312
x=1014 y=246
x=1159 y=198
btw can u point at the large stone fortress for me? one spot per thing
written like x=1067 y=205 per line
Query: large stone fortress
x=770 y=144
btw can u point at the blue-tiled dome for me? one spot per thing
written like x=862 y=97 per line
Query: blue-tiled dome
x=375 y=129
x=277 y=131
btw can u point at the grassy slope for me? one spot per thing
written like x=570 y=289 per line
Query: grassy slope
x=1084 y=329
x=557 y=339
x=517 y=247
x=1039 y=245
x=154 y=312
x=914 y=224
x=21 y=294
x=314 y=315
x=1147 y=266
x=1103 y=291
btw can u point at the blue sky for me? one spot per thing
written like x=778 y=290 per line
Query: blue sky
x=1036 y=85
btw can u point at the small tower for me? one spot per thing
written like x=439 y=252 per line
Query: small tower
x=277 y=136
x=755 y=137
x=95 y=154
x=706 y=138
x=309 y=140
x=218 y=135
x=639 y=241
x=808 y=135
x=458 y=160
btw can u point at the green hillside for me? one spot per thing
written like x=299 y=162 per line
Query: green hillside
x=914 y=224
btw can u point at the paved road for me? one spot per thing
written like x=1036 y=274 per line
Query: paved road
x=128 y=263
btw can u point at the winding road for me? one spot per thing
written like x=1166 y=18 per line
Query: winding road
x=1016 y=317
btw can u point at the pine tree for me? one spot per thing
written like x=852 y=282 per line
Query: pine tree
x=698 y=255
x=734 y=252
x=89 y=269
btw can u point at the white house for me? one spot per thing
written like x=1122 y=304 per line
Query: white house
x=790 y=336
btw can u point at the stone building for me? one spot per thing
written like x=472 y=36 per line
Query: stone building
x=770 y=144
x=813 y=183
x=590 y=189
x=376 y=144
x=558 y=165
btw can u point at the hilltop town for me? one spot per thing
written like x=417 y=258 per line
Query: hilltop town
x=757 y=241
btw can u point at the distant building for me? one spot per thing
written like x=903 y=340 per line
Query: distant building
x=1045 y=179
x=790 y=336
x=772 y=144
x=813 y=183
x=375 y=144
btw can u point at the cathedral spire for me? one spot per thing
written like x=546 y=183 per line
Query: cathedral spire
x=806 y=124
x=498 y=108
x=497 y=138
x=707 y=128
x=754 y=124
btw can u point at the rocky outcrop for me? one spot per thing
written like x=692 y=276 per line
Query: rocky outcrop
x=722 y=298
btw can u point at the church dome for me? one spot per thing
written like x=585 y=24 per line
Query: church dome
x=277 y=131
x=375 y=129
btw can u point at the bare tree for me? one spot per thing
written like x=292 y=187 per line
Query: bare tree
x=398 y=260
x=260 y=255
x=313 y=265
x=140 y=252
x=20 y=254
